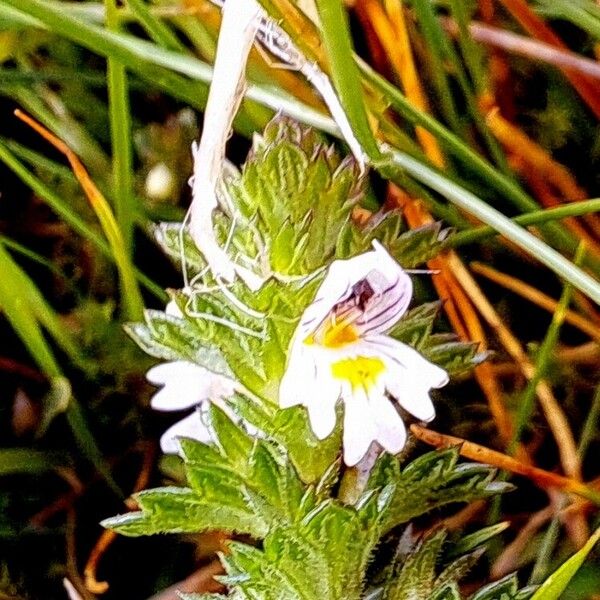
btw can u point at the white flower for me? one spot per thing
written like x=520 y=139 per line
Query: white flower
x=339 y=350
x=188 y=385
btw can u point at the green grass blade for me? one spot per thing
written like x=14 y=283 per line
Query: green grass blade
x=584 y=15
x=133 y=304
x=590 y=427
x=146 y=58
x=489 y=215
x=471 y=52
x=573 y=209
x=544 y=357
x=155 y=28
x=85 y=440
x=485 y=171
x=120 y=134
x=25 y=460
x=19 y=77
x=27 y=293
x=544 y=555
x=31 y=255
x=65 y=127
x=17 y=309
x=344 y=73
x=18 y=306
x=436 y=47
x=557 y=583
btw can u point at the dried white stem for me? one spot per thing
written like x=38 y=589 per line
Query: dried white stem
x=238 y=29
x=243 y=21
x=274 y=39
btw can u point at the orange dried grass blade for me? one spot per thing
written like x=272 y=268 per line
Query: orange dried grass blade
x=462 y=317
x=378 y=55
x=393 y=35
x=86 y=183
x=132 y=298
x=553 y=412
x=547 y=198
x=538 y=166
x=540 y=477
x=109 y=536
x=528 y=292
x=521 y=144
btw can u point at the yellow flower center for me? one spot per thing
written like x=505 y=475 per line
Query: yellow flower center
x=360 y=371
x=333 y=334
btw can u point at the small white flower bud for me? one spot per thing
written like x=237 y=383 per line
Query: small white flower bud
x=160 y=182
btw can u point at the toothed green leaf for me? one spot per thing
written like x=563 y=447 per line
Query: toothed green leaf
x=410 y=248
x=299 y=195
x=453 y=356
x=432 y=480
x=506 y=588
x=171 y=338
x=415 y=574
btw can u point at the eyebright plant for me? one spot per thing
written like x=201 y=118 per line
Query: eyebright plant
x=289 y=385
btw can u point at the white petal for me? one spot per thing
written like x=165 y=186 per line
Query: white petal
x=299 y=375
x=359 y=428
x=336 y=287
x=185 y=385
x=391 y=432
x=191 y=426
x=392 y=292
x=419 y=368
x=409 y=391
x=321 y=402
x=180 y=380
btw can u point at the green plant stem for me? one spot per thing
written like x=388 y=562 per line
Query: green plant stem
x=120 y=132
x=355 y=479
x=344 y=72
x=573 y=209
